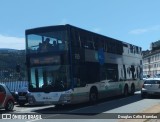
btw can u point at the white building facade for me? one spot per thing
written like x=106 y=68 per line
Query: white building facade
x=151 y=63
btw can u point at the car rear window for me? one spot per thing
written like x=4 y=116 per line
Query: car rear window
x=152 y=82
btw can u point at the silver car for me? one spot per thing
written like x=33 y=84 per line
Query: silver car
x=151 y=86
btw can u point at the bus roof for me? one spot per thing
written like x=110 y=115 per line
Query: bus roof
x=63 y=27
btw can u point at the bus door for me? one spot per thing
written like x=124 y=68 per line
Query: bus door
x=2 y=95
x=112 y=80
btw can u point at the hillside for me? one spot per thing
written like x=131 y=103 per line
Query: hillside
x=9 y=58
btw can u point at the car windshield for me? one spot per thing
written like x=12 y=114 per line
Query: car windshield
x=152 y=82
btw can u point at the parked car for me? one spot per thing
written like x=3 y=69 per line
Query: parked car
x=22 y=96
x=157 y=75
x=6 y=98
x=14 y=95
x=151 y=86
x=146 y=77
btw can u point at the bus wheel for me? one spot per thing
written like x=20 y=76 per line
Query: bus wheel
x=93 y=97
x=132 y=89
x=125 y=91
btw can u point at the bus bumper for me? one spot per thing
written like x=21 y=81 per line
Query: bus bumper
x=64 y=99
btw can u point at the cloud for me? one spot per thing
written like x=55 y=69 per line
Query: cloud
x=145 y=30
x=12 y=42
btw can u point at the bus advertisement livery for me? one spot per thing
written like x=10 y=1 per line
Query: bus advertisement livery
x=69 y=65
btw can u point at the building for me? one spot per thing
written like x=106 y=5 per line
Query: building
x=151 y=60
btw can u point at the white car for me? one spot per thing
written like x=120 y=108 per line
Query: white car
x=151 y=86
x=146 y=77
x=6 y=98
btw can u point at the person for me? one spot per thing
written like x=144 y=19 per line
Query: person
x=46 y=46
x=40 y=47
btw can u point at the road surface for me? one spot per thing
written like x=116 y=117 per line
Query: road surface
x=108 y=109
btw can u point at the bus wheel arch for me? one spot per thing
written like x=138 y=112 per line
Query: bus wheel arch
x=125 y=92
x=93 y=95
x=132 y=89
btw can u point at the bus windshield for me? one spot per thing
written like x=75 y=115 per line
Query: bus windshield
x=47 y=57
x=50 y=78
x=47 y=42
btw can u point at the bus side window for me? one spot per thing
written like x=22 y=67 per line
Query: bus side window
x=89 y=45
x=76 y=39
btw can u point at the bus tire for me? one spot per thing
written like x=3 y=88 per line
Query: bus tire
x=93 y=96
x=132 y=89
x=125 y=93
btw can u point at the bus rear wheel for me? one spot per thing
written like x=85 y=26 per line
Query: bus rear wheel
x=93 y=97
x=125 y=91
x=132 y=89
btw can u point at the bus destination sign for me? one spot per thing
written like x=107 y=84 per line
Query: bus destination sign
x=45 y=60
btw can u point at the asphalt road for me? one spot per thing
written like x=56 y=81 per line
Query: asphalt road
x=107 y=109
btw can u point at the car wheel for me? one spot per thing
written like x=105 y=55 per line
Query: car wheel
x=143 y=95
x=9 y=105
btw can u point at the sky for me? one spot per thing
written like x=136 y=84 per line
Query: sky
x=133 y=21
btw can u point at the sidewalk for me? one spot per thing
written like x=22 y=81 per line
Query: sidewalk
x=154 y=109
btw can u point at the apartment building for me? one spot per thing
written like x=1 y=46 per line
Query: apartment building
x=151 y=60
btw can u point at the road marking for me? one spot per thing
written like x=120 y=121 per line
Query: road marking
x=24 y=109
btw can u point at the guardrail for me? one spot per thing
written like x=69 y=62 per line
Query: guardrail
x=15 y=85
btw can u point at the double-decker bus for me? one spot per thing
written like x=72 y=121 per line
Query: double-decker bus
x=70 y=65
